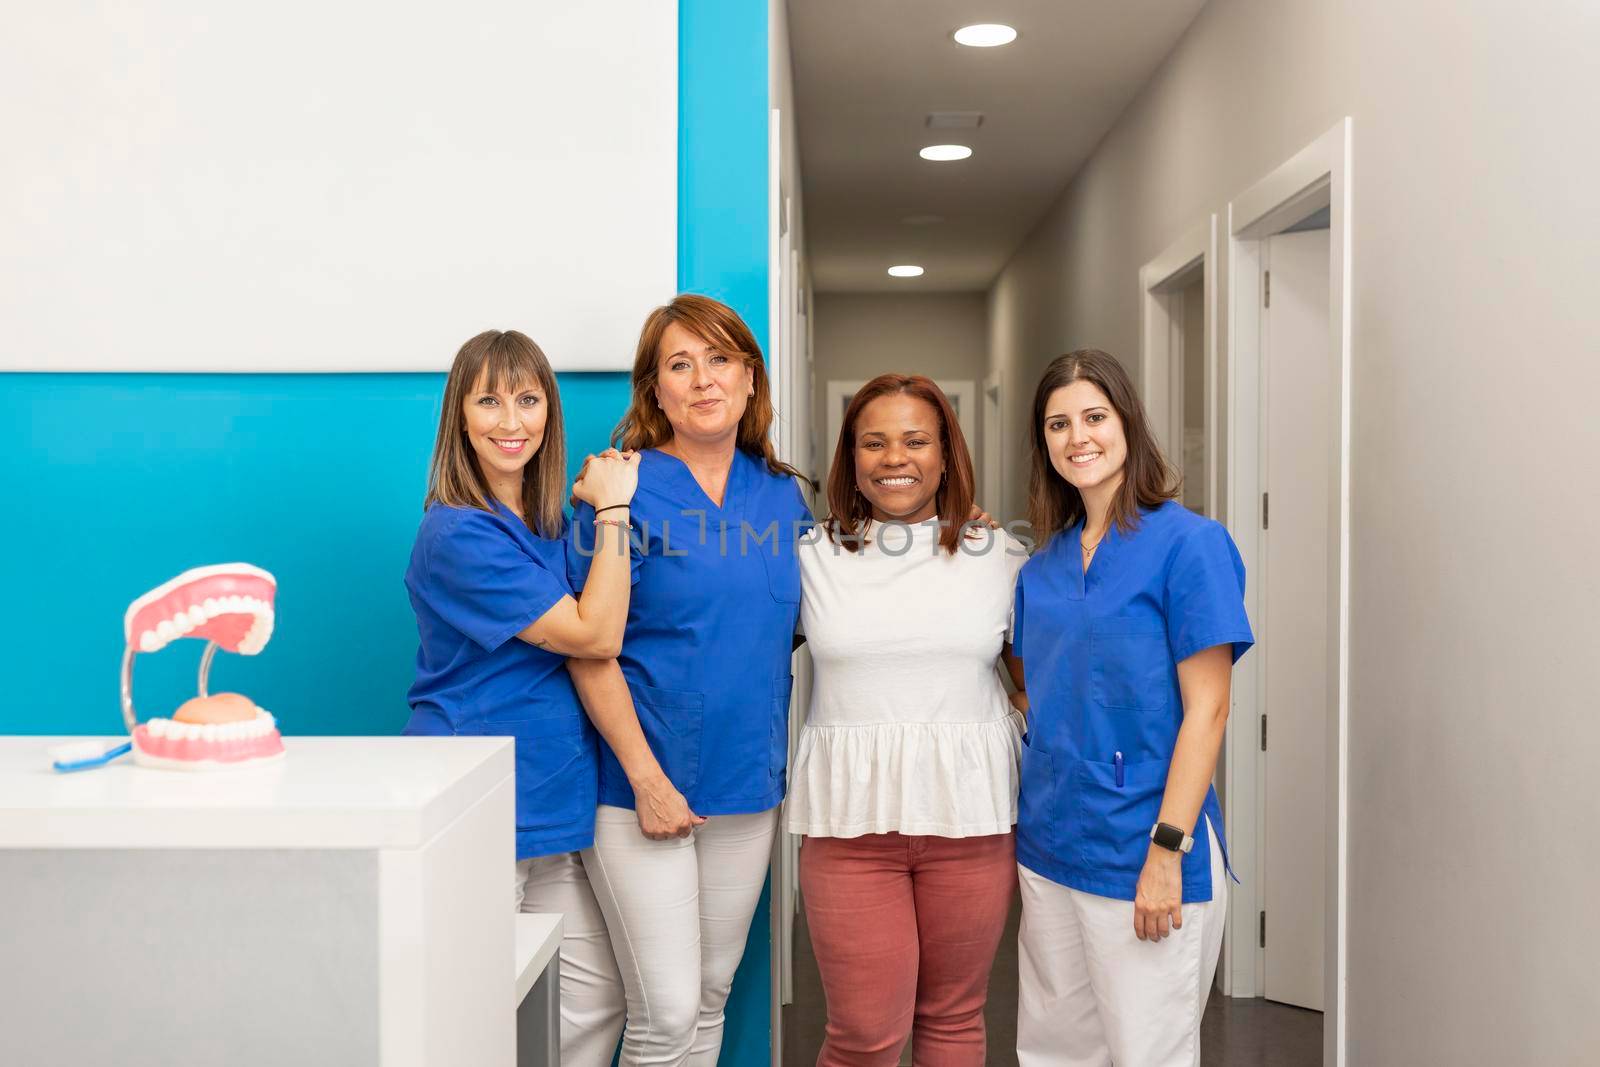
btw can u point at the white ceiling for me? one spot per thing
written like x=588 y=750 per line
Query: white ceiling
x=868 y=72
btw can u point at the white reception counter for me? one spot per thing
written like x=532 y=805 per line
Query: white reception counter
x=347 y=905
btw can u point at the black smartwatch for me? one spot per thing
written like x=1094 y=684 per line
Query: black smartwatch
x=1171 y=838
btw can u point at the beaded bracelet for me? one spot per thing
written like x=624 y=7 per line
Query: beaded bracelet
x=621 y=524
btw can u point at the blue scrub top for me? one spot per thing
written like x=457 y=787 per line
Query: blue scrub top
x=476 y=580
x=710 y=630
x=1100 y=654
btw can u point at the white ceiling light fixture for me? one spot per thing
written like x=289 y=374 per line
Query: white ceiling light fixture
x=905 y=270
x=985 y=35
x=943 y=153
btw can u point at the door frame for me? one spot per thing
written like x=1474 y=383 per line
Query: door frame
x=1161 y=353
x=1319 y=175
x=991 y=426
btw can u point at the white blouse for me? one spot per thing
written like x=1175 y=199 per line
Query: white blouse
x=909 y=728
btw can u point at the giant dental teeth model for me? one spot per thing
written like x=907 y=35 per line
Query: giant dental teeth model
x=230 y=606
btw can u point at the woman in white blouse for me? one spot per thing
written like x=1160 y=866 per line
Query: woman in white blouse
x=905 y=782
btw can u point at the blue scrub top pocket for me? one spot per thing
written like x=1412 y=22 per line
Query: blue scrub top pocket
x=1037 y=818
x=556 y=782
x=778 y=725
x=671 y=721
x=1114 y=820
x=1129 y=664
x=555 y=700
x=783 y=569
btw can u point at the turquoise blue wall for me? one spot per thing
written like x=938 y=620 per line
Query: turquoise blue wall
x=114 y=483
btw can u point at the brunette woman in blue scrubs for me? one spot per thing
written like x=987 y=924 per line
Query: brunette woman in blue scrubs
x=1128 y=622
x=694 y=712
x=497 y=620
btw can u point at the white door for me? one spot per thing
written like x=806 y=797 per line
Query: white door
x=1301 y=395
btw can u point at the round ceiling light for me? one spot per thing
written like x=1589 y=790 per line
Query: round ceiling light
x=905 y=270
x=985 y=35
x=944 y=152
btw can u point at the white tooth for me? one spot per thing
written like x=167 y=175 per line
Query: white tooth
x=197 y=615
x=165 y=630
x=234 y=603
x=211 y=606
x=157 y=727
x=149 y=641
x=208 y=732
x=181 y=623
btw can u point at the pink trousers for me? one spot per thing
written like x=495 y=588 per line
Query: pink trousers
x=905 y=931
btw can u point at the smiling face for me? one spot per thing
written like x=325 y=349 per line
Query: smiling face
x=701 y=387
x=1084 y=437
x=899 y=461
x=504 y=428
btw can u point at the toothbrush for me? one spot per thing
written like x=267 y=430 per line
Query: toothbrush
x=82 y=755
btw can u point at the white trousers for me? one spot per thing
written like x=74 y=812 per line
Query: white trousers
x=1093 y=995
x=592 y=1003
x=679 y=912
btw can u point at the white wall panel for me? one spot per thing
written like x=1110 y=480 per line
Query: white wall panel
x=333 y=187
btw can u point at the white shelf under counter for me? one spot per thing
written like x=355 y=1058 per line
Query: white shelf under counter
x=349 y=904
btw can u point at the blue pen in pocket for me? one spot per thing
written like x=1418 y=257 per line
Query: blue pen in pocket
x=1118 y=764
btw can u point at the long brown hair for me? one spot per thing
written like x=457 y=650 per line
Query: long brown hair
x=850 y=510
x=1148 y=480
x=645 y=425
x=509 y=358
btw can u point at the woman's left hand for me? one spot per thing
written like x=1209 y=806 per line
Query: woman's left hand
x=978 y=517
x=1158 y=898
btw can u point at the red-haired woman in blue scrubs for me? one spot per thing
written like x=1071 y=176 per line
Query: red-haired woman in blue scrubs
x=497 y=620
x=1128 y=622
x=694 y=713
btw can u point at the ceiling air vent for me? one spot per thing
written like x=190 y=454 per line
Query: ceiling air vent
x=954 y=120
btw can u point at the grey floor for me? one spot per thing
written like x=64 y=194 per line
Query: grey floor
x=1246 y=1033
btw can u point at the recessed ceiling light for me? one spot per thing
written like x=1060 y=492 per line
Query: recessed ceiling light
x=985 y=35
x=944 y=152
x=905 y=270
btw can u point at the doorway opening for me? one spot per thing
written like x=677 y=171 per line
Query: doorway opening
x=1288 y=397
x=1178 y=359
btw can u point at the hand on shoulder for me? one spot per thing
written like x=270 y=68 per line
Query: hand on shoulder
x=607 y=479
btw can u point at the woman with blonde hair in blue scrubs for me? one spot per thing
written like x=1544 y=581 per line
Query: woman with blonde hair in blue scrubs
x=1128 y=622
x=694 y=712
x=497 y=620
